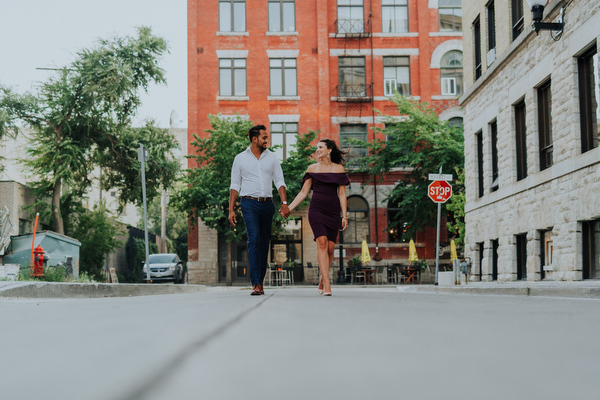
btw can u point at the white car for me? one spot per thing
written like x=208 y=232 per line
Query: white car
x=164 y=267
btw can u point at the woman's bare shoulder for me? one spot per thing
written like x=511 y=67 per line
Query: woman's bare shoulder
x=339 y=168
x=312 y=168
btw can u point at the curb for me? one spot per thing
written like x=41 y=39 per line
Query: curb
x=92 y=290
x=592 y=292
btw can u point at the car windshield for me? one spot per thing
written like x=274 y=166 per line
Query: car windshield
x=162 y=258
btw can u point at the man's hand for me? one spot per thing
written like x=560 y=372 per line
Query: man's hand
x=284 y=211
x=232 y=218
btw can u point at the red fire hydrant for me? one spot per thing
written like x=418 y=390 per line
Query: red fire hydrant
x=39 y=260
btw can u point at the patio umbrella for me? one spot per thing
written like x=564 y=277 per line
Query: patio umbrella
x=453 y=255
x=412 y=252
x=365 y=256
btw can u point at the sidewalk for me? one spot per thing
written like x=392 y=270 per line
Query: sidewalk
x=39 y=289
x=579 y=289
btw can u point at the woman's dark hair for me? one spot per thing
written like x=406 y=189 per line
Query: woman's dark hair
x=337 y=155
x=255 y=131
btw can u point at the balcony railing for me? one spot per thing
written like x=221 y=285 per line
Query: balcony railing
x=354 y=92
x=352 y=28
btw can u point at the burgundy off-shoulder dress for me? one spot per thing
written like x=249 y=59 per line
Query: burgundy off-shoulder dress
x=324 y=210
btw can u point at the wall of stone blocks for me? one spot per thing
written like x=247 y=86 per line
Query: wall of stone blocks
x=556 y=199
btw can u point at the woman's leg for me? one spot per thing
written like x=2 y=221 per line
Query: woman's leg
x=323 y=259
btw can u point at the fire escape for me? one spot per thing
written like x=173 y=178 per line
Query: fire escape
x=352 y=86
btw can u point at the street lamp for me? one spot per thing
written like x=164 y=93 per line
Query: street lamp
x=537 y=13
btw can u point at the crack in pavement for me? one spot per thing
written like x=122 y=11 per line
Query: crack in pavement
x=160 y=376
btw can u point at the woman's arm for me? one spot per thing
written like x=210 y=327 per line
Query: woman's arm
x=343 y=205
x=302 y=195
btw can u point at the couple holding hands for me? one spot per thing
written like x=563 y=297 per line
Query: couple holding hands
x=252 y=176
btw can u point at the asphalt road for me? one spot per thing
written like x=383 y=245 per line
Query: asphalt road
x=361 y=343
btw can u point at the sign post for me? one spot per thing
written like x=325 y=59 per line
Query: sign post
x=439 y=191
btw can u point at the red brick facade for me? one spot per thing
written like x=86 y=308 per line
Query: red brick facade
x=317 y=105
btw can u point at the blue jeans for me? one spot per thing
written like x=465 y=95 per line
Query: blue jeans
x=258 y=218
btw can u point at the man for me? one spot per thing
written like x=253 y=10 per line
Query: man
x=252 y=175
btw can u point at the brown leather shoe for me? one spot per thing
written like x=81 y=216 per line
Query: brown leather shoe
x=255 y=290
x=262 y=290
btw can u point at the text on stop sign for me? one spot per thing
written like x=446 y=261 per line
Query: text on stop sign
x=439 y=191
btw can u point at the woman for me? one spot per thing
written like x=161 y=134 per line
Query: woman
x=328 y=180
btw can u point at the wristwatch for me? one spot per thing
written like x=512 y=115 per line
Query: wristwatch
x=284 y=203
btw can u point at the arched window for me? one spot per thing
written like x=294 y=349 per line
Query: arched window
x=358 y=220
x=451 y=73
x=456 y=121
x=396 y=228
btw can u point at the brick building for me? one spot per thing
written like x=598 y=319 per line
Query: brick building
x=531 y=141
x=306 y=65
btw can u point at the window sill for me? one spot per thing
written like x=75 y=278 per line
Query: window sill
x=283 y=98
x=435 y=34
x=233 y=34
x=233 y=98
x=391 y=98
x=282 y=33
x=446 y=97
x=396 y=34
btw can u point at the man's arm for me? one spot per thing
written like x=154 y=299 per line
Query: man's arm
x=233 y=194
x=285 y=210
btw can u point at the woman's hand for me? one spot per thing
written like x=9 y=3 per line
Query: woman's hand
x=344 y=223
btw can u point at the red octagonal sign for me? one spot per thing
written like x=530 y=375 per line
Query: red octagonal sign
x=439 y=191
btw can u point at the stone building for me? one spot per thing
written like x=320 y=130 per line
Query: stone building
x=531 y=141
x=325 y=65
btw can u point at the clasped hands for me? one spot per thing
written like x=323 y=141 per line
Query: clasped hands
x=284 y=211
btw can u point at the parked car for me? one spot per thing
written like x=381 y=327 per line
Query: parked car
x=165 y=267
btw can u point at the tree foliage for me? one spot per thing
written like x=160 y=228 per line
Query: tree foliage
x=206 y=195
x=82 y=112
x=96 y=230
x=422 y=144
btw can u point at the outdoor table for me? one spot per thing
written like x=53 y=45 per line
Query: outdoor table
x=411 y=274
x=369 y=274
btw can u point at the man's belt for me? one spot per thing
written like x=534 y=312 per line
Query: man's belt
x=262 y=199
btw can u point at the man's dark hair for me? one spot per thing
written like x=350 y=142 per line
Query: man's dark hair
x=255 y=131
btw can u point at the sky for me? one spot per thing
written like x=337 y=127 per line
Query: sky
x=49 y=33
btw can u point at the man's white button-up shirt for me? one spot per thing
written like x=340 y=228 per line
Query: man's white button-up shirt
x=253 y=177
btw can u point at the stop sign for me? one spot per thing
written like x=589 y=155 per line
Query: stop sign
x=439 y=191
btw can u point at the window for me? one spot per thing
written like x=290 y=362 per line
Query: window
x=495 y=259
x=394 y=16
x=451 y=73
x=350 y=16
x=491 y=17
x=590 y=242
x=232 y=77
x=517 y=18
x=494 y=140
x=456 y=122
x=349 y=132
x=450 y=13
x=358 y=220
x=352 y=77
x=396 y=227
x=232 y=15
x=283 y=76
x=545 y=125
x=479 y=138
x=589 y=99
x=477 y=46
x=287 y=245
x=521 y=136
x=396 y=75
x=282 y=16
x=521 y=257
x=284 y=134
x=546 y=251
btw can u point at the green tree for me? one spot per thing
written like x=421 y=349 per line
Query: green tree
x=97 y=231
x=84 y=113
x=423 y=144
